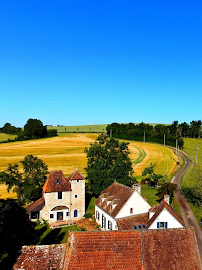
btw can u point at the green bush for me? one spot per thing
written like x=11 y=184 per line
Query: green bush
x=88 y=215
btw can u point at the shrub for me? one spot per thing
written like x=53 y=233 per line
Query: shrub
x=88 y=215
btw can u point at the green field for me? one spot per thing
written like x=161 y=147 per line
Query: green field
x=194 y=173
x=86 y=128
x=80 y=129
x=5 y=137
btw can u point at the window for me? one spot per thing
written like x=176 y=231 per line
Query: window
x=162 y=225
x=60 y=195
x=131 y=210
x=97 y=214
x=75 y=213
x=51 y=215
x=144 y=226
x=135 y=227
x=75 y=196
x=77 y=180
x=139 y=227
x=109 y=225
x=67 y=214
x=57 y=181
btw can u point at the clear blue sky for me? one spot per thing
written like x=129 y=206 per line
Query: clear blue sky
x=75 y=62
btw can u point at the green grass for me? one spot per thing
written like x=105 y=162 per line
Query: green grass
x=48 y=236
x=141 y=156
x=176 y=206
x=91 y=206
x=149 y=194
x=5 y=137
x=193 y=173
x=80 y=129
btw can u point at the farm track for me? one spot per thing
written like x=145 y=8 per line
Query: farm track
x=188 y=216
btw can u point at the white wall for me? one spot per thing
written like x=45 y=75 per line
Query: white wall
x=137 y=202
x=165 y=216
x=108 y=217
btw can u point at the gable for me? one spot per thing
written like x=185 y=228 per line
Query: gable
x=137 y=203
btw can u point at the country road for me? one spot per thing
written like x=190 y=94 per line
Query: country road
x=187 y=214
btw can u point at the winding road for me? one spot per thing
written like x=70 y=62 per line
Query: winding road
x=187 y=214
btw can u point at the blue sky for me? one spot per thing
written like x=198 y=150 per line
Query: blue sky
x=95 y=62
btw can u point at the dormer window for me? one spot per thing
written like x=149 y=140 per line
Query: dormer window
x=57 y=181
x=131 y=211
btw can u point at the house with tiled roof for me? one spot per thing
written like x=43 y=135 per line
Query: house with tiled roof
x=173 y=249
x=63 y=199
x=119 y=201
x=161 y=216
x=123 y=208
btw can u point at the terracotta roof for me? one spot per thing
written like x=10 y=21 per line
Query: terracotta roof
x=76 y=176
x=117 y=194
x=104 y=250
x=37 y=205
x=52 y=185
x=173 y=249
x=127 y=223
x=160 y=208
x=41 y=257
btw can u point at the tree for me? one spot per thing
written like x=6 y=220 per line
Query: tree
x=151 y=178
x=34 y=128
x=28 y=185
x=15 y=230
x=166 y=189
x=108 y=161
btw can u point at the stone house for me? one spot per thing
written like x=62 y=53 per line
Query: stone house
x=63 y=199
x=123 y=208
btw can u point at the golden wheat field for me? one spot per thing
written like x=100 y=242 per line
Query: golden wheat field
x=66 y=152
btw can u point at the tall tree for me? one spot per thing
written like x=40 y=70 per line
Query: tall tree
x=34 y=128
x=151 y=178
x=28 y=184
x=166 y=189
x=108 y=161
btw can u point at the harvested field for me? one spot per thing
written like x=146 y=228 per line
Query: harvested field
x=66 y=152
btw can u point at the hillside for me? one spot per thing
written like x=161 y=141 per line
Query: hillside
x=66 y=152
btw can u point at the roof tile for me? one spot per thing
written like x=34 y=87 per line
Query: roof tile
x=52 y=185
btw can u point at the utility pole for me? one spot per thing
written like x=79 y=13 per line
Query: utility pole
x=110 y=132
x=164 y=141
x=197 y=154
x=167 y=170
x=144 y=137
x=176 y=145
x=178 y=158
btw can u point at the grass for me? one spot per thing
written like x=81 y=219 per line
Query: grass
x=149 y=194
x=48 y=236
x=78 y=129
x=193 y=173
x=141 y=156
x=4 y=137
x=91 y=206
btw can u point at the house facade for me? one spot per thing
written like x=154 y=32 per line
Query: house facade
x=63 y=199
x=119 y=201
x=123 y=208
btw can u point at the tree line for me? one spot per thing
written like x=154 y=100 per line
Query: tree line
x=33 y=129
x=156 y=133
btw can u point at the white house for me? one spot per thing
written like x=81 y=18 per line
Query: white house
x=123 y=208
x=119 y=201
x=63 y=199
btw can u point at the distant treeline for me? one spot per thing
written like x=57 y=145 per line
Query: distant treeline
x=156 y=133
x=33 y=129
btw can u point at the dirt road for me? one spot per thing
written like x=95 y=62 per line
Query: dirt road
x=186 y=211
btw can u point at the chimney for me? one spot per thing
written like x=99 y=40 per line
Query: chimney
x=137 y=187
x=167 y=198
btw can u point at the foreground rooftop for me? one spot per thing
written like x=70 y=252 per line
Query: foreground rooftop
x=173 y=249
